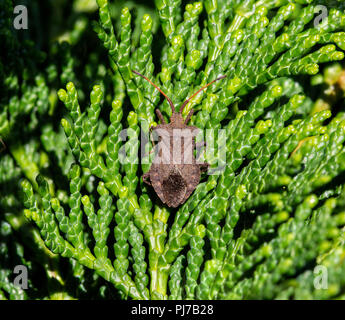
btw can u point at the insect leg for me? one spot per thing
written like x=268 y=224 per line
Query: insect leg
x=152 y=128
x=152 y=141
x=160 y=116
x=198 y=147
x=189 y=116
x=146 y=178
x=201 y=144
x=204 y=167
x=3 y=145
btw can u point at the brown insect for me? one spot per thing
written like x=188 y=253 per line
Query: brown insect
x=174 y=181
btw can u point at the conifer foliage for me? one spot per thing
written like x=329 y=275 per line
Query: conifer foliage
x=259 y=228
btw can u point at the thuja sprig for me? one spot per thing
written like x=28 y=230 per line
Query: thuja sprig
x=274 y=208
x=51 y=218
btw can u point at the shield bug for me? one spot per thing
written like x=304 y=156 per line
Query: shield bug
x=175 y=173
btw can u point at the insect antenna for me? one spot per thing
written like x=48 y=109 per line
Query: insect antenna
x=203 y=88
x=166 y=97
